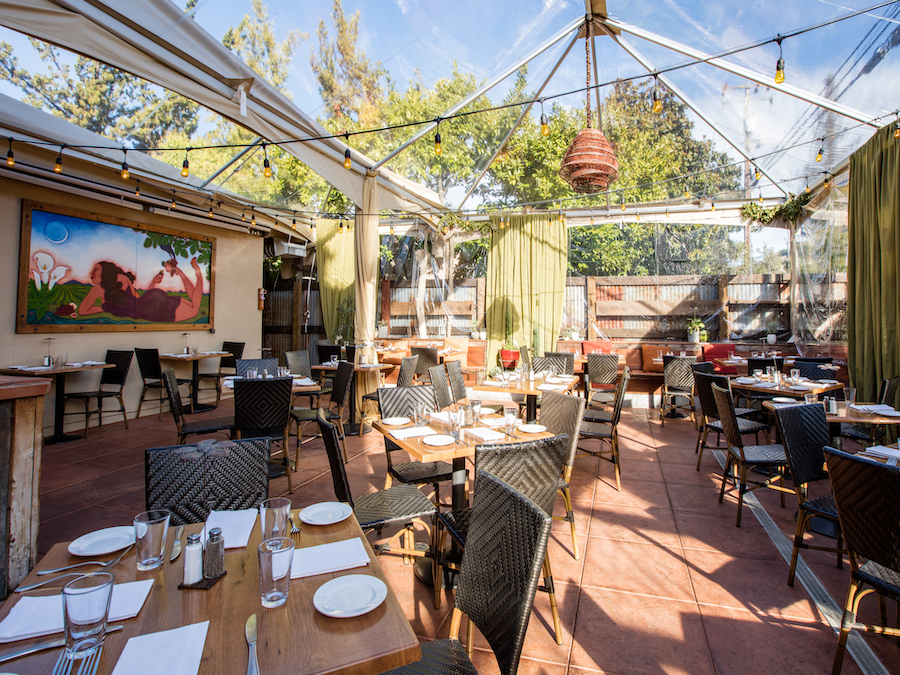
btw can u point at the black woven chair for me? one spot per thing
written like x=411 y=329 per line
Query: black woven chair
x=340 y=395
x=457 y=381
x=151 y=374
x=744 y=458
x=400 y=506
x=678 y=383
x=404 y=379
x=562 y=414
x=328 y=353
x=263 y=366
x=227 y=366
x=804 y=432
x=110 y=377
x=568 y=359
x=501 y=567
x=262 y=409
x=525 y=354
x=709 y=413
x=868 y=434
x=428 y=358
x=298 y=364
x=607 y=432
x=531 y=467
x=602 y=372
x=812 y=370
x=192 y=480
x=437 y=375
x=867 y=495
x=184 y=427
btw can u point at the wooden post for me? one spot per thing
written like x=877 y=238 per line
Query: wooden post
x=724 y=318
x=590 y=290
x=386 y=301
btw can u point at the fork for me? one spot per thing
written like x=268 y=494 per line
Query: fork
x=294 y=528
x=108 y=563
x=63 y=664
x=90 y=664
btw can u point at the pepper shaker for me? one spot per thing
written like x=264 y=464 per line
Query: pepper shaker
x=193 y=560
x=214 y=557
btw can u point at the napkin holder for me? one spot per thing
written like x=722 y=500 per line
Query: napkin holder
x=203 y=585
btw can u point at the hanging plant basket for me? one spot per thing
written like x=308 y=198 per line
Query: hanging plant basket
x=590 y=164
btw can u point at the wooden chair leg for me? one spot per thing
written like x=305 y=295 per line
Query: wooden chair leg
x=847 y=621
x=570 y=516
x=122 y=409
x=554 y=609
x=802 y=519
x=343 y=436
x=742 y=488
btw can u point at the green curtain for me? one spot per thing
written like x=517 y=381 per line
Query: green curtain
x=337 y=269
x=526 y=276
x=872 y=292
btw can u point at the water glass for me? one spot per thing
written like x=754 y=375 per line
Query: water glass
x=795 y=375
x=510 y=416
x=811 y=398
x=455 y=417
x=419 y=414
x=731 y=356
x=85 y=612
x=770 y=372
x=850 y=395
x=757 y=374
x=275 y=558
x=252 y=373
x=274 y=517
x=755 y=354
x=476 y=411
x=150 y=529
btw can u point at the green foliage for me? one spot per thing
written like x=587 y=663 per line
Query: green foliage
x=184 y=247
x=346 y=314
x=508 y=331
x=536 y=341
x=790 y=211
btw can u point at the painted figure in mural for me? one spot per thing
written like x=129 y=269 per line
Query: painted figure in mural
x=114 y=287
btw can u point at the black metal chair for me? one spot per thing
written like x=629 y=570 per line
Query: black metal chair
x=428 y=358
x=867 y=495
x=568 y=359
x=437 y=375
x=298 y=364
x=457 y=380
x=400 y=506
x=404 y=379
x=227 y=366
x=744 y=458
x=114 y=377
x=678 y=383
x=151 y=374
x=262 y=409
x=184 y=427
x=327 y=353
x=263 y=366
x=867 y=434
x=192 y=480
x=804 y=432
x=500 y=573
x=602 y=371
x=607 y=431
x=812 y=370
x=340 y=395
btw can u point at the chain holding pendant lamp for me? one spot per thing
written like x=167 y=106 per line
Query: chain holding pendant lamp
x=589 y=165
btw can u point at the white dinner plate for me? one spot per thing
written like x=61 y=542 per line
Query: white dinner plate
x=326 y=513
x=798 y=387
x=889 y=413
x=103 y=541
x=349 y=596
x=438 y=440
x=783 y=399
x=828 y=381
x=395 y=421
x=745 y=380
x=532 y=428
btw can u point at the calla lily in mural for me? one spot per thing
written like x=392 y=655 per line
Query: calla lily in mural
x=37 y=279
x=44 y=263
x=58 y=273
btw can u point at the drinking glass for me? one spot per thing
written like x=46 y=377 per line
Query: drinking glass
x=850 y=395
x=150 y=529
x=683 y=353
x=795 y=375
x=755 y=354
x=85 y=612
x=455 y=417
x=476 y=411
x=275 y=558
x=731 y=356
x=770 y=372
x=757 y=374
x=419 y=414
x=253 y=373
x=273 y=517
x=510 y=415
x=811 y=398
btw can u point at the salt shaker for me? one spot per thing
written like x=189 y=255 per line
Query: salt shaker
x=214 y=557
x=832 y=405
x=193 y=560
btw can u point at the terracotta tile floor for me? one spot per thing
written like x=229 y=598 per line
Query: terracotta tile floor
x=665 y=582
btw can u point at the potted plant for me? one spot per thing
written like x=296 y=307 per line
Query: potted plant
x=694 y=327
x=771 y=332
x=509 y=355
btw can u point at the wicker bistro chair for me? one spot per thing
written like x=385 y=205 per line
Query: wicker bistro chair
x=298 y=364
x=607 y=431
x=404 y=379
x=151 y=374
x=501 y=567
x=867 y=495
x=804 y=432
x=401 y=505
x=328 y=353
x=709 y=413
x=525 y=354
x=183 y=427
x=190 y=481
x=811 y=370
x=428 y=358
x=564 y=362
x=678 y=382
x=262 y=409
x=457 y=380
x=867 y=434
x=437 y=375
x=109 y=377
x=227 y=366
x=746 y=457
x=340 y=395
x=531 y=467
x=562 y=414
x=262 y=365
x=602 y=373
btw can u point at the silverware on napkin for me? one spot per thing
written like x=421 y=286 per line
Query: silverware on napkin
x=100 y=563
x=176 y=547
x=53 y=644
x=250 y=633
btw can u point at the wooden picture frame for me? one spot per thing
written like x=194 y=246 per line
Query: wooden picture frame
x=81 y=272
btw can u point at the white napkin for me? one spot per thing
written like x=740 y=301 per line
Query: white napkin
x=43 y=615
x=874 y=408
x=486 y=434
x=327 y=558
x=412 y=432
x=36 y=368
x=766 y=385
x=441 y=417
x=492 y=383
x=745 y=380
x=883 y=451
x=173 y=652
x=76 y=364
x=492 y=421
x=236 y=526
x=304 y=382
x=169 y=355
x=552 y=387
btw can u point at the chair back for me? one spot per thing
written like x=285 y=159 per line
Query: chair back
x=328 y=353
x=763 y=363
x=811 y=369
x=815 y=359
x=888 y=392
x=116 y=376
x=226 y=476
x=602 y=368
x=703 y=383
x=174 y=396
x=350 y=353
x=804 y=432
x=428 y=358
x=543 y=363
x=338 y=472
x=725 y=406
x=262 y=407
x=677 y=373
x=703 y=367
x=402 y=401
x=561 y=414
x=148 y=364
x=407 y=371
x=457 y=380
x=343 y=379
x=621 y=390
x=235 y=351
x=568 y=359
x=867 y=494
x=243 y=365
x=298 y=362
x=498 y=596
x=525 y=353
x=438 y=377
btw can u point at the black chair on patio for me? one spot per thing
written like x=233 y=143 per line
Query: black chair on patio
x=678 y=383
x=804 y=433
x=227 y=366
x=262 y=409
x=151 y=374
x=457 y=380
x=114 y=377
x=298 y=364
x=868 y=434
x=602 y=374
x=437 y=375
x=190 y=481
x=404 y=379
x=607 y=432
x=184 y=427
x=328 y=353
x=263 y=367
x=340 y=395
x=428 y=358
x=565 y=362
x=812 y=370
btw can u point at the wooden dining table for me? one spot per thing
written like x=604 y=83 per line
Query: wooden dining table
x=194 y=360
x=292 y=639
x=531 y=390
x=353 y=427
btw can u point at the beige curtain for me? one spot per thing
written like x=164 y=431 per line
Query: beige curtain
x=337 y=268
x=366 y=236
x=526 y=277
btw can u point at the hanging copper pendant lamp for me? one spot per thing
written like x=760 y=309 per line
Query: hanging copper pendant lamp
x=589 y=165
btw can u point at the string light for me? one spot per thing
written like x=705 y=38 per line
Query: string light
x=437 y=140
x=637 y=216
x=341 y=228
x=392 y=229
x=896 y=132
x=10 y=156
x=807 y=185
x=821 y=151
x=779 y=65
x=545 y=125
x=347 y=163
x=760 y=196
x=275 y=224
x=622 y=197
x=125 y=173
x=186 y=165
x=57 y=168
x=137 y=189
x=712 y=206
x=657 y=101
x=173 y=205
x=252 y=216
x=210 y=214
x=687 y=194
x=501 y=220
x=294 y=221
x=757 y=173
x=549 y=220
x=312 y=224
x=826 y=181
x=267 y=169
x=243 y=216
x=667 y=212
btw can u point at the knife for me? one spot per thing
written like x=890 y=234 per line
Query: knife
x=250 y=633
x=176 y=547
x=45 y=645
x=511 y=435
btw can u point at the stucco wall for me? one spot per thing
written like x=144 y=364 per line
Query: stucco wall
x=238 y=275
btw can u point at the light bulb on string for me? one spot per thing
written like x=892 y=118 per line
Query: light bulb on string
x=252 y=216
x=57 y=167
x=545 y=125
x=10 y=156
x=312 y=224
x=779 y=64
x=392 y=229
x=275 y=223
x=341 y=228
x=756 y=172
x=712 y=206
x=446 y=229
x=437 y=143
x=760 y=196
x=501 y=221
x=186 y=165
x=347 y=163
x=210 y=213
x=173 y=205
x=267 y=168
x=622 y=197
x=294 y=221
x=125 y=173
x=657 y=101
x=549 y=220
x=667 y=212
x=825 y=185
x=821 y=151
x=637 y=216
x=243 y=216
x=687 y=193
x=896 y=131
x=807 y=185
x=137 y=189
